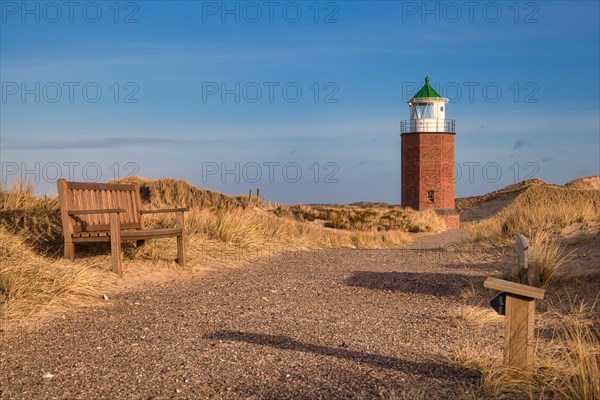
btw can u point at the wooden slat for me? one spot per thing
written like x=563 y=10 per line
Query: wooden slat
x=77 y=204
x=99 y=239
x=134 y=210
x=76 y=201
x=91 y=203
x=104 y=203
x=123 y=200
x=133 y=215
x=99 y=204
x=101 y=186
x=94 y=203
x=104 y=227
x=117 y=202
x=119 y=198
x=94 y=195
x=112 y=200
x=150 y=233
x=130 y=201
x=85 y=198
x=166 y=210
x=90 y=235
x=98 y=211
x=84 y=204
x=514 y=288
x=138 y=200
x=128 y=207
x=81 y=200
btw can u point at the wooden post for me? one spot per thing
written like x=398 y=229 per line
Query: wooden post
x=258 y=194
x=520 y=319
x=115 y=243
x=181 y=239
x=67 y=224
x=528 y=262
x=249 y=196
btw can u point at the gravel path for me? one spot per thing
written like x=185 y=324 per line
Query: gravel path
x=347 y=324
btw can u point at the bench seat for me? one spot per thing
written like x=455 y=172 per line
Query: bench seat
x=127 y=235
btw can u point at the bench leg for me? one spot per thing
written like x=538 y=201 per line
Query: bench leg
x=69 y=250
x=181 y=240
x=115 y=244
x=180 y=251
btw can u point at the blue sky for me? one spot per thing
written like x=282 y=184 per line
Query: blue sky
x=300 y=99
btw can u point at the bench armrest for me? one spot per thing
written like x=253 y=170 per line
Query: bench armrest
x=166 y=210
x=105 y=211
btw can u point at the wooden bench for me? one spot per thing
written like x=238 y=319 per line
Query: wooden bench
x=110 y=212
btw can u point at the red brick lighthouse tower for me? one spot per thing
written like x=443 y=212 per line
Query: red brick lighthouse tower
x=428 y=156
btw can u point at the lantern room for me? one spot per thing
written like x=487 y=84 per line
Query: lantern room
x=427 y=112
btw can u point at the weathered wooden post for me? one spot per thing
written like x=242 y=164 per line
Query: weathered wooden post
x=528 y=262
x=517 y=302
x=258 y=194
x=249 y=196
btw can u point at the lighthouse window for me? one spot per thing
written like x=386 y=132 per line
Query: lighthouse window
x=430 y=195
x=442 y=108
x=423 y=111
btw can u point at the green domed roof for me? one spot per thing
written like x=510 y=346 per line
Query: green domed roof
x=426 y=91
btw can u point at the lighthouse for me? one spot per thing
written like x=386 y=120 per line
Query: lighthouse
x=428 y=156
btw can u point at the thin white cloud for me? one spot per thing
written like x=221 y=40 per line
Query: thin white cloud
x=92 y=143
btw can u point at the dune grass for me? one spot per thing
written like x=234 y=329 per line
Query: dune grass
x=473 y=315
x=366 y=218
x=247 y=225
x=541 y=212
x=31 y=284
x=539 y=208
x=550 y=254
x=36 y=220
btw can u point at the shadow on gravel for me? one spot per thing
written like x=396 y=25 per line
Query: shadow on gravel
x=432 y=283
x=427 y=368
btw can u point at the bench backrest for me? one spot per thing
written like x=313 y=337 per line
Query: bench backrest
x=80 y=196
